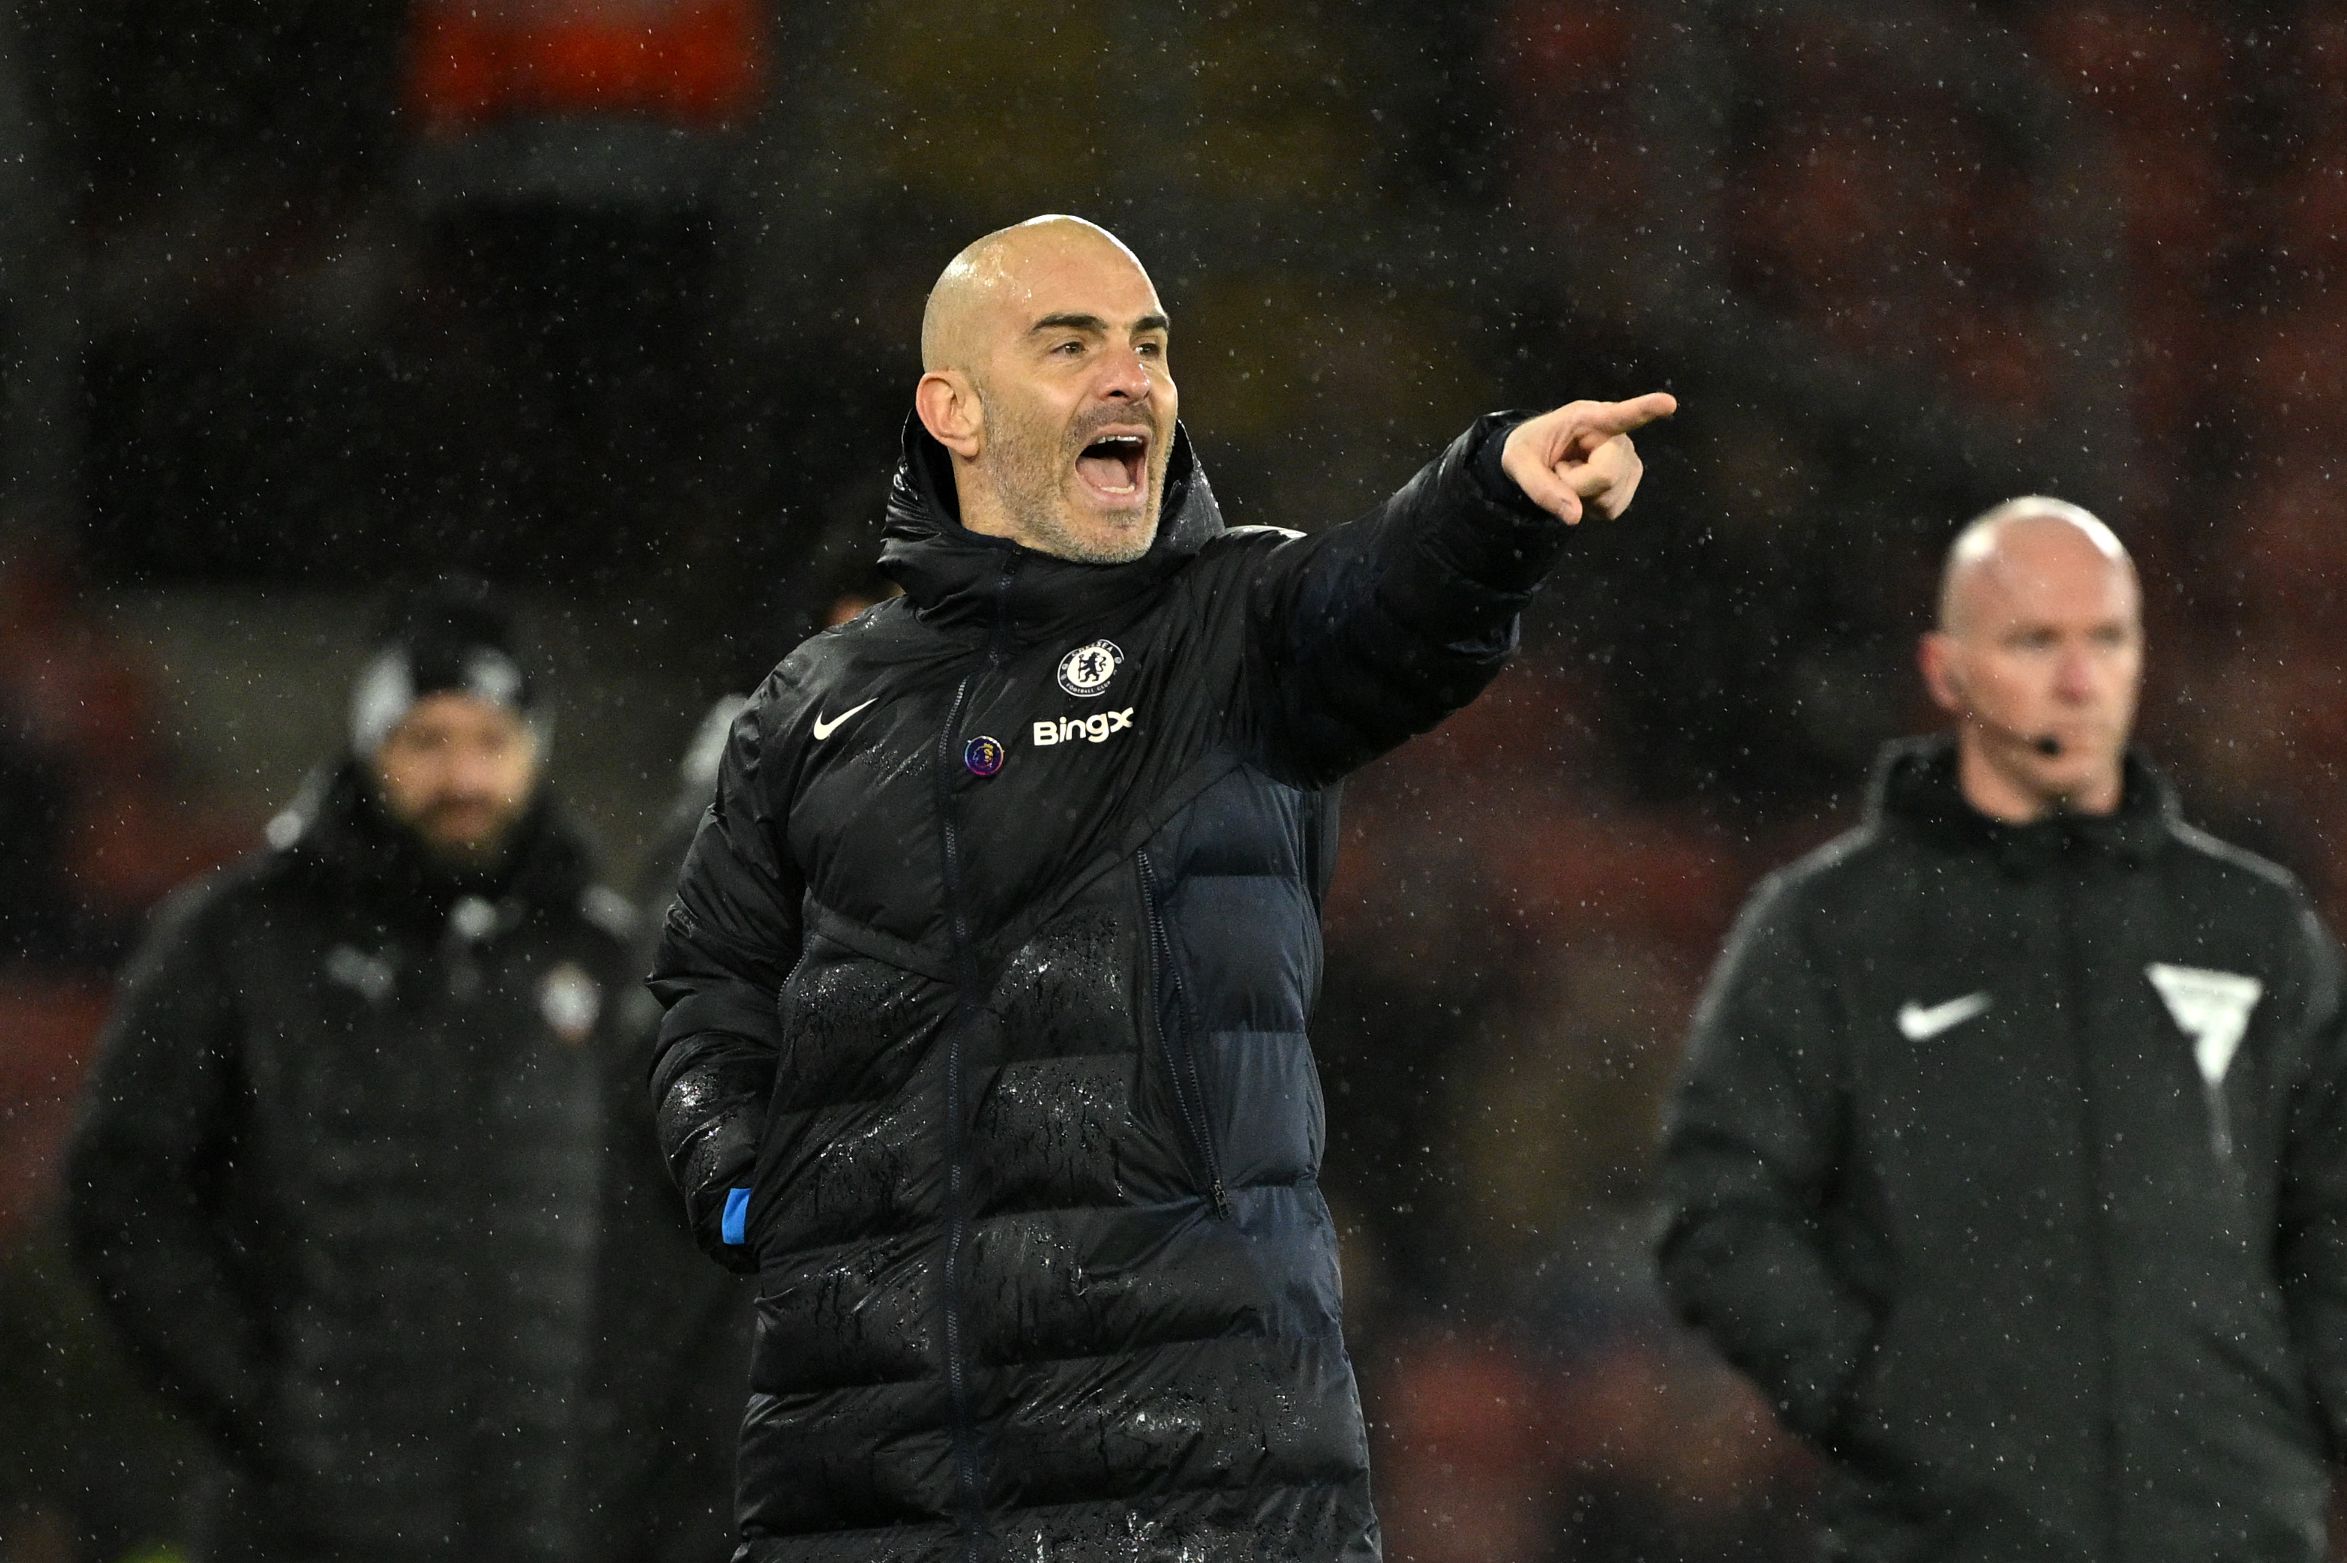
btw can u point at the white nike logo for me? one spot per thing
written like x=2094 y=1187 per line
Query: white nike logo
x=1918 y=1023
x=825 y=729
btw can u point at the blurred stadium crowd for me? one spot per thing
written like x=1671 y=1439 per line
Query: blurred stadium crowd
x=348 y=291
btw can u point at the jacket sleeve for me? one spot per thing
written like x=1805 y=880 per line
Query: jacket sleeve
x=663 y=1395
x=1368 y=632
x=2311 y=1240
x=1752 y=1144
x=157 y=1135
x=730 y=940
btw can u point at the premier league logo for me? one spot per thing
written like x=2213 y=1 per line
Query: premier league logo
x=1087 y=669
x=984 y=756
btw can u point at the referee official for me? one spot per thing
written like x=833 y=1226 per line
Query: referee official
x=2010 y=1157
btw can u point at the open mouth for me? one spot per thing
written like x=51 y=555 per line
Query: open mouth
x=1115 y=466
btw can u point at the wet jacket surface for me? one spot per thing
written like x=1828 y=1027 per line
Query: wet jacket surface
x=989 y=975
x=336 y=1182
x=2012 y=1163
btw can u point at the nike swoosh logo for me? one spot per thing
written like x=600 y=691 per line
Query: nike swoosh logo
x=825 y=729
x=1919 y=1024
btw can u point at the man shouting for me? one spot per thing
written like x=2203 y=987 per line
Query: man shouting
x=989 y=969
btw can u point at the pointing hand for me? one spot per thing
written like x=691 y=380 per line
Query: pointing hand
x=1580 y=455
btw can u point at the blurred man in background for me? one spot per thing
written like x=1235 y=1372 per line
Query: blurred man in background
x=2011 y=1154
x=337 y=1175
x=1020 y=873
x=672 y=1334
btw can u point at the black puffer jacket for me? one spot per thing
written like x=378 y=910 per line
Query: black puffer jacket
x=2012 y=1163
x=995 y=953
x=336 y=1181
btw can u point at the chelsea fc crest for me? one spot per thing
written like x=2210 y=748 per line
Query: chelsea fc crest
x=1087 y=669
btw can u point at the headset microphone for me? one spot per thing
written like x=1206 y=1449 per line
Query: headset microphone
x=2045 y=744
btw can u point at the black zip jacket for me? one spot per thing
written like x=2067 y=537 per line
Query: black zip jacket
x=2012 y=1163
x=336 y=1181
x=988 y=978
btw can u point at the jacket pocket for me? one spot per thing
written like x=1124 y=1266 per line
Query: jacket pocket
x=1170 y=1019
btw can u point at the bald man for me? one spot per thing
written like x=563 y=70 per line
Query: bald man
x=989 y=969
x=2010 y=1157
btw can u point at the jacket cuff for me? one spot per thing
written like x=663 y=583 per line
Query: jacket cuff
x=1490 y=436
x=1502 y=542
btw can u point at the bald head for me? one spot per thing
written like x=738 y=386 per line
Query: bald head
x=2023 y=537
x=1044 y=377
x=2039 y=657
x=994 y=274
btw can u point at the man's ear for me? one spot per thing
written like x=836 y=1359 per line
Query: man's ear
x=1935 y=654
x=949 y=409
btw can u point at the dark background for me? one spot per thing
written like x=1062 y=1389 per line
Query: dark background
x=617 y=303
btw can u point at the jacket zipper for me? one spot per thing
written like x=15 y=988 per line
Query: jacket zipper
x=1180 y=1057
x=956 y=1215
x=782 y=994
x=2098 y=1247
x=2220 y=1132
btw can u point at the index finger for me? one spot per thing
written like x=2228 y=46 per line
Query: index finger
x=1612 y=418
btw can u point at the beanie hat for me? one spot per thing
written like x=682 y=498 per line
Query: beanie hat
x=452 y=637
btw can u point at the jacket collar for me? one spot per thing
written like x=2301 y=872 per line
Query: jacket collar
x=956 y=577
x=1915 y=786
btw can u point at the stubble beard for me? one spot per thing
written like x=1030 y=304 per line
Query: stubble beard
x=1030 y=482
x=458 y=854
